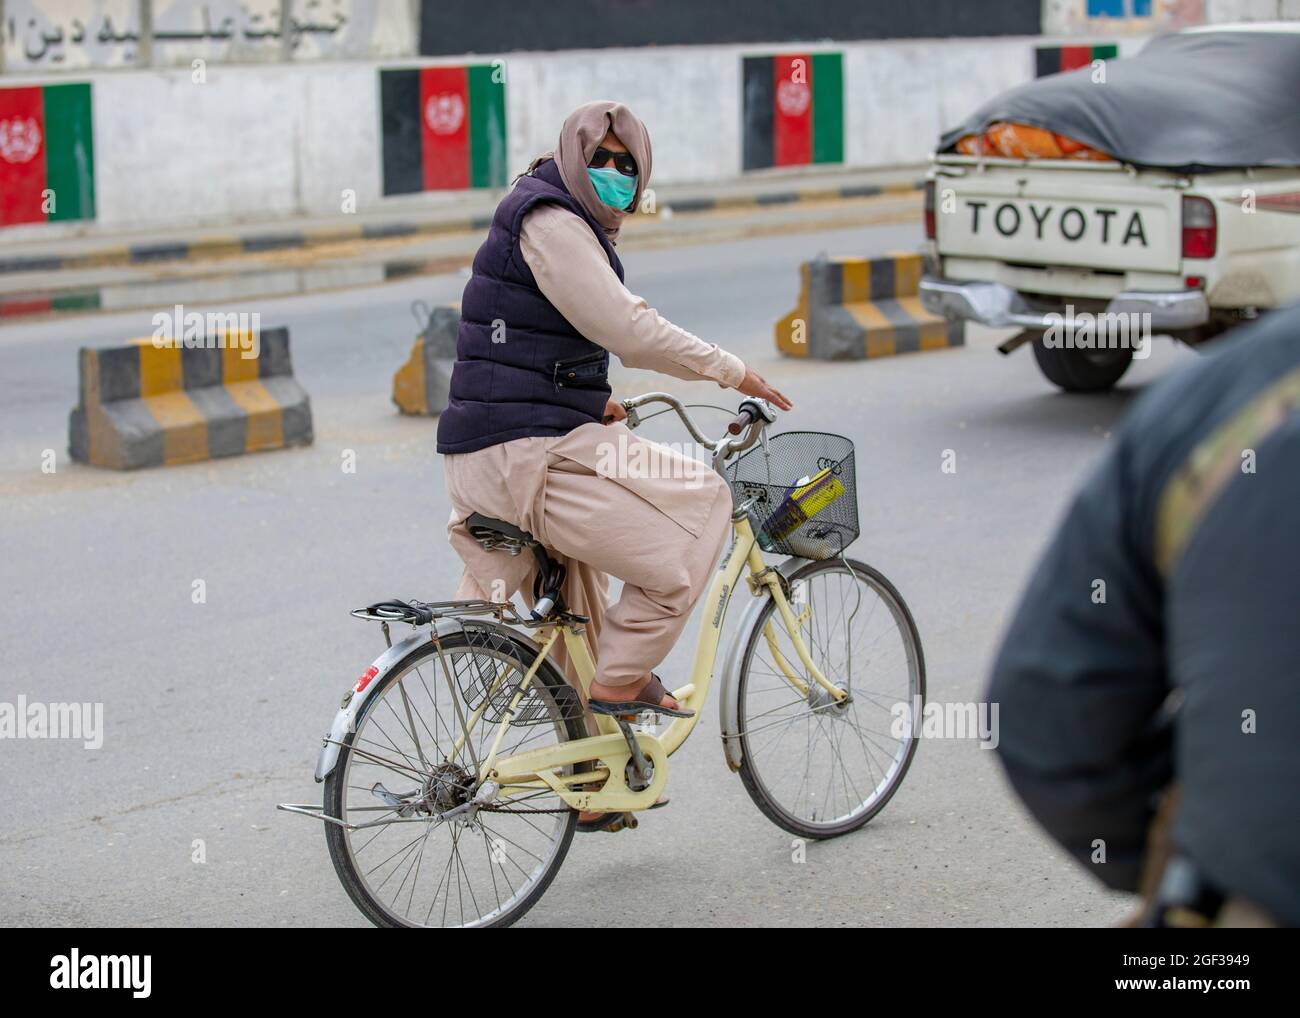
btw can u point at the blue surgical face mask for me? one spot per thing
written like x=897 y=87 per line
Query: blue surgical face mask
x=612 y=187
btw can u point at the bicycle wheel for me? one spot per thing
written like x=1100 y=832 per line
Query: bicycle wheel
x=815 y=767
x=401 y=767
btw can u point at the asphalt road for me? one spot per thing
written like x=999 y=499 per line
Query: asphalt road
x=213 y=712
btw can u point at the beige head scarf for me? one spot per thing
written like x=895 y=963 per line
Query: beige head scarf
x=580 y=136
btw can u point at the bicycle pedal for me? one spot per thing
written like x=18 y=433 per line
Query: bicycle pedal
x=626 y=822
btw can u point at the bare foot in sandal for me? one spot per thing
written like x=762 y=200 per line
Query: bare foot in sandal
x=649 y=695
x=589 y=820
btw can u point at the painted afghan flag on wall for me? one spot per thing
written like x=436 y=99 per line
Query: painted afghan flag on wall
x=46 y=145
x=444 y=128
x=1055 y=59
x=793 y=110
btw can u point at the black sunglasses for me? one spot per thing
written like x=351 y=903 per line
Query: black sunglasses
x=623 y=161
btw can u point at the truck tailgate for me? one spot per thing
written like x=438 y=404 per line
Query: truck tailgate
x=1042 y=215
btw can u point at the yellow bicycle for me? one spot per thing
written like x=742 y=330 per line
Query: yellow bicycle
x=457 y=763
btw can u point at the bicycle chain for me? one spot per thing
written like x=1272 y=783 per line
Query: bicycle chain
x=507 y=809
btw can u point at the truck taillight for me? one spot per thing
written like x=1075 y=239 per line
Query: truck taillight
x=1200 y=228
x=929 y=210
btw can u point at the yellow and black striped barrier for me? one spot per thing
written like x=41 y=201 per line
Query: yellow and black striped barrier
x=145 y=405
x=855 y=308
x=422 y=385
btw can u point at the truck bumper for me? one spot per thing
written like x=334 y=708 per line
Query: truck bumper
x=999 y=306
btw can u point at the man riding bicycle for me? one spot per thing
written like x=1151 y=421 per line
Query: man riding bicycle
x=530 y=419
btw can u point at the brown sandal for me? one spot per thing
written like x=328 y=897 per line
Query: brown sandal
x=615 y=821
x=649 y=698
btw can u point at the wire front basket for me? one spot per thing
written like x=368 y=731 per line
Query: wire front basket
x=801 y=491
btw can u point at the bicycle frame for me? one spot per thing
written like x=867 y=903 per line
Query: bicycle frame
x=608 y=753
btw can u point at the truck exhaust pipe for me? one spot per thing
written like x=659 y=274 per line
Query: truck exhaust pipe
x=1018 y=340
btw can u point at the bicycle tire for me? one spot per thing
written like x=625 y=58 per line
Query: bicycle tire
x=547 y=679
x=749 y=775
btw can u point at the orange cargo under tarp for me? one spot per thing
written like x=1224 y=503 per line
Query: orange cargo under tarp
x=1021 y=141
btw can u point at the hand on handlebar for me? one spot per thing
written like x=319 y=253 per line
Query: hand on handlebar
x=614 y=411
x=753 y=384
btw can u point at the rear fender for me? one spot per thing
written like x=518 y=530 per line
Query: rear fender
x=355 y=699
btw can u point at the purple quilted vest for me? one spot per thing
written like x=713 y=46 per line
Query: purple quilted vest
x=521 y=368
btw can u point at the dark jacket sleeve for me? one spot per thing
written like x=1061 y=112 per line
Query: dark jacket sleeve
x=1080 y=681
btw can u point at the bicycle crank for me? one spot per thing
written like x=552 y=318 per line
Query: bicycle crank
x=640 y=771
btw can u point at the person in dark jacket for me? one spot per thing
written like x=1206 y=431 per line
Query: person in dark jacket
x=1153 y=665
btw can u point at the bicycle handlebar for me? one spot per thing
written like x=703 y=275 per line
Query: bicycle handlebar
x=754 y=416
x=631 y=405
x=740 y=422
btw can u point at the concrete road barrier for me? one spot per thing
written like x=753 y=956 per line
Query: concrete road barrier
x=421 y=385
x=854 y=308
x=142 y=405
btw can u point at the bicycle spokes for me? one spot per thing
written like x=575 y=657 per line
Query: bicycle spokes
x=819 y=762
x=427 y=841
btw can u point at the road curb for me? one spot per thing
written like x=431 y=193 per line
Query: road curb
x=253 y=243
x=789 y=197
x=261 y=241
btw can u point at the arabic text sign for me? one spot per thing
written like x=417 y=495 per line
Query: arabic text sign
x=235 y=30
x=51 y=35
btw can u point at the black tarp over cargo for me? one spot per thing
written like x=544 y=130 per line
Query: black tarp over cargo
x=1190 y=102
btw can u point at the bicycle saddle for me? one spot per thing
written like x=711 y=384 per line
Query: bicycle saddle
x=493 y=534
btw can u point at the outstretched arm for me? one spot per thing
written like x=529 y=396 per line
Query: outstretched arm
x=573 y=273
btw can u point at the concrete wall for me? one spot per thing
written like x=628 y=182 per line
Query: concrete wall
x=900 y=98
x=166 y=148
x=254 y=143
x=689 y=98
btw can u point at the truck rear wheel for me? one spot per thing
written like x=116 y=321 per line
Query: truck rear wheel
x=1076 y=370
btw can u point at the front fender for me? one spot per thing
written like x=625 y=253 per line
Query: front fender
x=729 y=687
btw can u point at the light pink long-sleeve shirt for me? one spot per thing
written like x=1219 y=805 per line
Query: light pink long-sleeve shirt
x=658 y=529
x=574 y=274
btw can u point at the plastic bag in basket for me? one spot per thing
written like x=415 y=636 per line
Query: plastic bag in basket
x=808 y=497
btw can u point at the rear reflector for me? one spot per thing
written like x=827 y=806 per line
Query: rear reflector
x=929 y=210
x=1200 y=228
x=366 y=676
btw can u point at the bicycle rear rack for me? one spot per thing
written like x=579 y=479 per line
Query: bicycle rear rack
x=423 y=613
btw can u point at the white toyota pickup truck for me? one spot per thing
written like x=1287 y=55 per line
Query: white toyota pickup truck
x=1092 y=214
